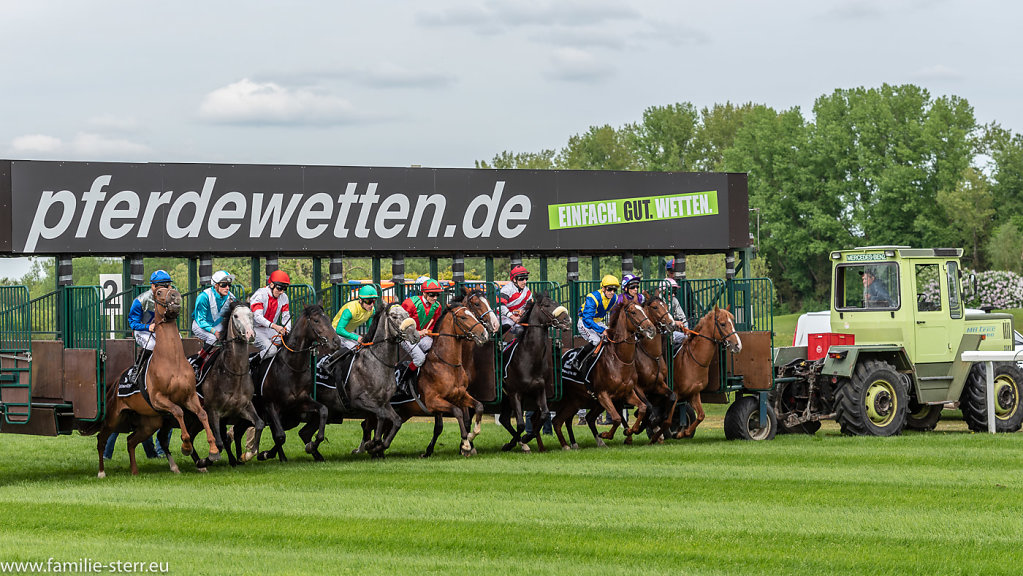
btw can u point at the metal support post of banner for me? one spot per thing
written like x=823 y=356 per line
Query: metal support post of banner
x=317 y=276
x=516 y=259
x=458 y=268
x=65 y=277
x=205 y=269
x=193 y=274
x=489 y=267
x=398 y=275
x=434 y=270
x=627 y=267
x=644 y=266
x=337 y=275
x=595 y=268
x=376 y=270
x=272 y=264
x=680 y=267
x=543 y=268
x=730 y=265
x=254 y=274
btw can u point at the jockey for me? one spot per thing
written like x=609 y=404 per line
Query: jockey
x=140 y=319
x=513 y=298
x=270 y=312
x=630 y=288
x=210 y=306
x=592 y=315
x=355 y=313
x=667 y=290
x=425 y=310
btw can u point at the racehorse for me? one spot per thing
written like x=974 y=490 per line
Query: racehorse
x=529 y=364
x=363 y=383
x=226 y=385
x=652 y=376
x=170 y=383
x=613 y=375
x=442 y=381
x=284 y=383
x=692 y=362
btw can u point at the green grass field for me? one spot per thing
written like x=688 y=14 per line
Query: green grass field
x=941 y=503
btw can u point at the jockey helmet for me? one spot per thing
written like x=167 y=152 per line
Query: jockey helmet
x=367 y=292
x=609 y=280
x=519 y=270
x=669 y=263
x=279 y=277
x=630 y=281
x=222 y=276
x=431 y=286
x=159 y=277
x=668 y=284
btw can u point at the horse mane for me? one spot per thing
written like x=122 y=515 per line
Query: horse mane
x=615 y=312
x=312 y=309
x=375 y=320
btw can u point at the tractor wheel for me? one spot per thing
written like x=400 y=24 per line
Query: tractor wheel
x=873 y=402
x=742 y=420
x=684 y=414
x=923 y=417
x=784 y=403
x=973 y=402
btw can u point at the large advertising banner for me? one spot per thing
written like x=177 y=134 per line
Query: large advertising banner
x=112 y=208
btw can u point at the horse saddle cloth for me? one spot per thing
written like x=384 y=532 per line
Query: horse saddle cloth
x=507 y=353
x=584 y=374
x=125 y=387
x=203 y=366
x=259 y=369
x=333 y=372
x=407 y=390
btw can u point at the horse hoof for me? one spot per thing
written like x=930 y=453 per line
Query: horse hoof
x=507 y=447
x=214 y=457
x=424 y=455
x=473 y=451
x=310 y=448
x=262 y=456
x=101 y=475
x=525 y=448
x=600 y=443
x=628 y=441
x=203 y=470
x=247 y=456
x=566 y=447
x=575 y=446
x=607 y=435
x=186 y=448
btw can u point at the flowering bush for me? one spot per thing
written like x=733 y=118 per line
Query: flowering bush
x=998 y=288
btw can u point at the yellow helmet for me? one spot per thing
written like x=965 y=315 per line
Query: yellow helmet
x=609 y=280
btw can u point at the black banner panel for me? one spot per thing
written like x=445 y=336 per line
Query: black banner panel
x=115 y=208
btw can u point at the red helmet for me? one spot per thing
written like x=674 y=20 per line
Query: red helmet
x=519 y=270
x=279 y=277
x=431 y=286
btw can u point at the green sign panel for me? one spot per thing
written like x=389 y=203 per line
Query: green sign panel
x=630 y=210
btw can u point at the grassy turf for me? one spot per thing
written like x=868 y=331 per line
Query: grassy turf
x=940 y=503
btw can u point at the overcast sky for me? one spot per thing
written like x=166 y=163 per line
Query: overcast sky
x=443 y=83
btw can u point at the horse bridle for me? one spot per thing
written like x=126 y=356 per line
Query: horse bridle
x=663 y=327
x=490 y=310
x=716 y=342
x=635 y=334
x=396 y=339
x=467 y=336
x=551 y=321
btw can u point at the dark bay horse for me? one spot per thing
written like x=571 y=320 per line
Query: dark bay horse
x=613 y=375
x=363 y=384
x=170 y=383
x=226 y=386
x=443 y=381
x=530 y=364
x=692 y=362
x=284 y=383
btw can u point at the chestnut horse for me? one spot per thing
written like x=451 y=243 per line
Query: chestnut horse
x=614 y=375
x=692 y=362
x=442 y=380
x=170 y=382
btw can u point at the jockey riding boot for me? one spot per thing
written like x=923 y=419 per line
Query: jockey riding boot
x=134 y=371
x=581 y=357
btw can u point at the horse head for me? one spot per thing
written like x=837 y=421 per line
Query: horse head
x=314 y=327
x=657 y=310
x=169 y=300
x=545 y=311
x=476 y=300
x=636 y=320
x=240 y=321
x=718 y=326
x=468 y=325
x=400 y=325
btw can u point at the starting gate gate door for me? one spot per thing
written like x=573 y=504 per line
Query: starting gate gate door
x=750 y=300
x=84 y=329
x=15 y=355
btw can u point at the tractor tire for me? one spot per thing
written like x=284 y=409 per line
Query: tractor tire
x=874 y=402
x=783 y=404
x=923 y=417
x=742 y=420
x=973 y=402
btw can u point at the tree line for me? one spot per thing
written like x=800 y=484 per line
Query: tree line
x=869 y=166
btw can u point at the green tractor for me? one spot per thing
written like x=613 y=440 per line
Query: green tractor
x=893 y=358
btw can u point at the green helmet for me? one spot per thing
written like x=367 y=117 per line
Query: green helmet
x=367 y=292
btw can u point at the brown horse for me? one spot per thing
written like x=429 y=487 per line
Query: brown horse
x=692 y=362
x=170 y=383
x=652 y=375
x=442 y=382
x=614 y=375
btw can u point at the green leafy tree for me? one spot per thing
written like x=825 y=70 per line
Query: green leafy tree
x=665 y=140
x=600 y=148
x=718 y=126
x=1005 y=248
x=542 y=160
x=969 y=207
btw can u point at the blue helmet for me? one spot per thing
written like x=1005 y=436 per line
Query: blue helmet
x=159 y=276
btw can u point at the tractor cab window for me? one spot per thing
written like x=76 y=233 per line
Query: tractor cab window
x=873 y=286
x=928 y=287
x=955 y=303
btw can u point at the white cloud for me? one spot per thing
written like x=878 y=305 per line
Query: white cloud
x=248 y=102
x=97 y=146
x=575 y=65
x=36 y=144
x=502 y=15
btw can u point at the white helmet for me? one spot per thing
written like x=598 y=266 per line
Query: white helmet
x=668 y=284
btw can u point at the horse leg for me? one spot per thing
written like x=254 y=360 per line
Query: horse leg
x=231 y=459
x=251 y=420
x=638 y=399
x=438 y=427
x=506 y=422
x=215 y=443
x=616 y=418
x=312 y=406
x=238 y=433
x=387 y=411
x=520 y=423
x=162 y=404
x=101 y=440
x=163 y=437
x=591 y=421
x=697 y=405
x=147 y=426
x=461 y=416
x=277 y=431
x=671 y=400
x=368 y=425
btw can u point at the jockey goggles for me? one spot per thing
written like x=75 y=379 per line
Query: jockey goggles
x=281 y=287
x=521 y=277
